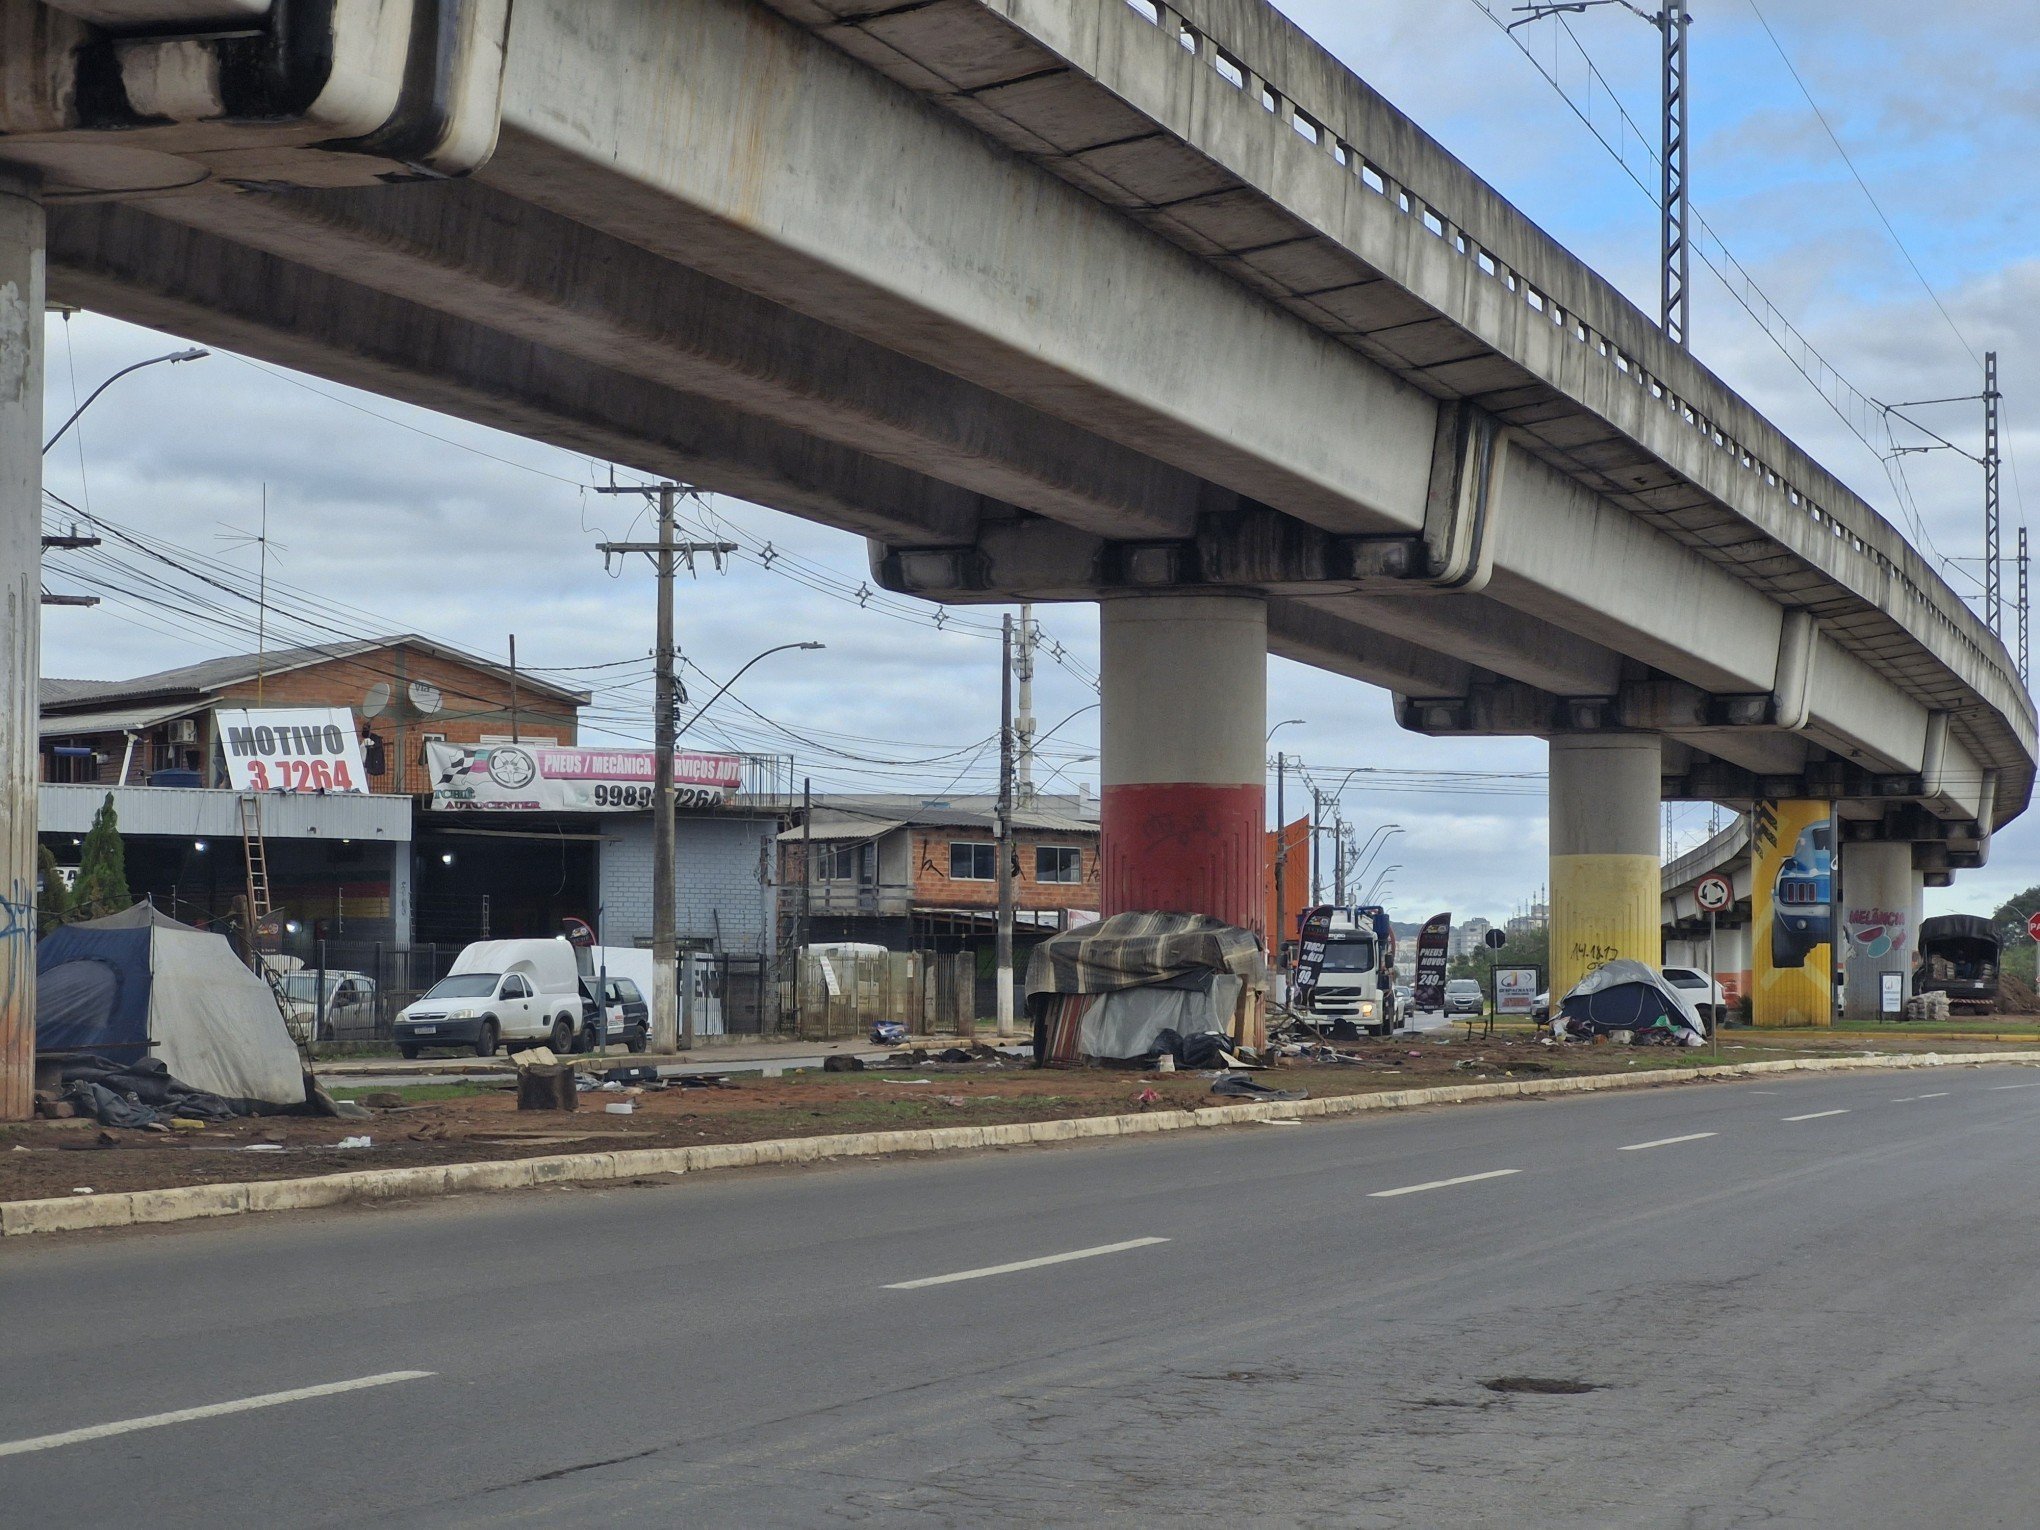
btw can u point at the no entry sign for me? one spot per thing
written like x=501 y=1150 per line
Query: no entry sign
x=1713 y=894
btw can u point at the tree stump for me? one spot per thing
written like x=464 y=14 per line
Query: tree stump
x=547 y=1087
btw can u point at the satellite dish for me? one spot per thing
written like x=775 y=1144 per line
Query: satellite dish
x=377 y=700
x=425 y=697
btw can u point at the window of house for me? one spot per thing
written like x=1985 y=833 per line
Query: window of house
x=1058 y=863
x=972 y=862
x=844 y=863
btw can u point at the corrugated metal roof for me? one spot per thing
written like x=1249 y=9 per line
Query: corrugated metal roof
x=115 y=722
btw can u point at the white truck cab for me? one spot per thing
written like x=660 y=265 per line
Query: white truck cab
x=1356 y=986
x=526 y=991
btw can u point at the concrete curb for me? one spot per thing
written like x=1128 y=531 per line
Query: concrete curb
x=139 y=1207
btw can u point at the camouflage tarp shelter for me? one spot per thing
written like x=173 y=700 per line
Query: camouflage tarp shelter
x=1108 y=989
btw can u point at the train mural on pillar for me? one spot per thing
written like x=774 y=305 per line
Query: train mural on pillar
x=1791 y=898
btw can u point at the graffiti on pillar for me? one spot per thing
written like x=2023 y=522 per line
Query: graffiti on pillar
x=1875 y=932
x=17 y=939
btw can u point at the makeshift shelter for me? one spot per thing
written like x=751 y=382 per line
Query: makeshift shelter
x=1628 y=996
x=1110 y=989
x=140 y=984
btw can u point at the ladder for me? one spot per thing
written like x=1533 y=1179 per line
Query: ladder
x=255 y=859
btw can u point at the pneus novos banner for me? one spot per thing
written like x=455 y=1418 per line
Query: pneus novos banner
x=547 y=778
x=1791 y=895
x=1428 y=991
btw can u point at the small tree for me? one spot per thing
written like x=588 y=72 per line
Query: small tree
x=102 y=886
x=53 y=903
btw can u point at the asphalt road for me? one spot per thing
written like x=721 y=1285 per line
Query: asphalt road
x=1805 y=1302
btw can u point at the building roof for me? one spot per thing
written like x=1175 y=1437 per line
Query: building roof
x=210 y=676
x=871 y=815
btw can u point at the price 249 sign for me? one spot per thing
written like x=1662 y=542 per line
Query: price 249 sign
x=300 y=749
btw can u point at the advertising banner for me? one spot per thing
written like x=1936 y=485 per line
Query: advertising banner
x=291 y=749
x=1791 y=898
x=1515 y=990
x=547 y=778
x=1428 y=992
x=1314 y=933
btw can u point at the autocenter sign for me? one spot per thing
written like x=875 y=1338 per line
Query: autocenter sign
x=546 y=778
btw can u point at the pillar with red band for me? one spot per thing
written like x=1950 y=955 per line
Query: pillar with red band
x=1183 y=774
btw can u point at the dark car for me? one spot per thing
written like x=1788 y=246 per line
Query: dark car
x=1799 y=900
x=630 y=1017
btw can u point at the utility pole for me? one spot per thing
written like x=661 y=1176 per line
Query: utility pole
x=514 y=738
x=1674 y=184
x=1993 y=584
x=1023 y=717
x=1339 y=861
x=2025 y=610
x=1004 y=952
x=1277 y=935
x=666 y=700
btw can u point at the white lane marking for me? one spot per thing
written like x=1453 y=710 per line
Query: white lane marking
x=2015 y=1086
x=210 y=1410
x=1814 y=1115
x=1023 y=1264
x=1637 y=1147
x=1940 y=1096
x=1907 y=1099
x=1440 y=1184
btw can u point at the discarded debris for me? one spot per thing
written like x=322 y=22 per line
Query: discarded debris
x=1548 y=1385
x=888 y=1033
x=354 y=1142
x=842 y=1062
x=1240 y=1086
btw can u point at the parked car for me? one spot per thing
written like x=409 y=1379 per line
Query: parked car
x=1463 y=996
x=499 y=990
x=1705 y=996
x=1799 y=897
x=348 y=1013
x=629 y=1015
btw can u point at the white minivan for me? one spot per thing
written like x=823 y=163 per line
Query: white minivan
x=516 y=991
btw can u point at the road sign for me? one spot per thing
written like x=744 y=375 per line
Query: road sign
x=2033 y=925
x=1496 y=939
x=1714 y=895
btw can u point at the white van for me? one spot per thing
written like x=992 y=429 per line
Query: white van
x=519 y=991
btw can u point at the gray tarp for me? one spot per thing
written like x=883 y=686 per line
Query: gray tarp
x=1126 y=1023
x=1138 y=950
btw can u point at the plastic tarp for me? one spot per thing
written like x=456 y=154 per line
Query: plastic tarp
x=1136 y=950
x=1125 y=1023
x=140 y=981
x=1628 y=996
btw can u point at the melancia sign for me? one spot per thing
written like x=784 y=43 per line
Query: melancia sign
x=291 y=749
x=545 y=778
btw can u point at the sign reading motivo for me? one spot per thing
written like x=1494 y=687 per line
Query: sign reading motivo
x=534 y=778
x=291 y=749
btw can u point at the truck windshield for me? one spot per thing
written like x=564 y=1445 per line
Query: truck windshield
x=468 y=985
x=1349 y=955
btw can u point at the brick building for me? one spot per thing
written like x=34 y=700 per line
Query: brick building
x=914 y=873
x=402 y=690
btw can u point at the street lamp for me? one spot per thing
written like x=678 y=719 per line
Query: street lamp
x=733 y=679
x=196 y=353
x=1386 y=832
x=1376 y=888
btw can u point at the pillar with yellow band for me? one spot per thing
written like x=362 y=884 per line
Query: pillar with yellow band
x=1605 y=879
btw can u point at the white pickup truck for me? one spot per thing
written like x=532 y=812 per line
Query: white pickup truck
x=518 y=991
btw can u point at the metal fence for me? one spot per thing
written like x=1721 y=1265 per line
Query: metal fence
x=841 y=995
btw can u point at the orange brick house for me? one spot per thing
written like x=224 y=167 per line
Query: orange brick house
x=402 y=690
x=914 y=873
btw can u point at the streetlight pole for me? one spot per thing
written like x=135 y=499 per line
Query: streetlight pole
x=1386 y=832
x=1003 y=940
x=1386 y=871
x=196 y=353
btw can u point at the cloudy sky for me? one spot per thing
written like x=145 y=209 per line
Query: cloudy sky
x=384 y=518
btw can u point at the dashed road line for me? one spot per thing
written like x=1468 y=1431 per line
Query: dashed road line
x=1814 y=1115
x=2015 y=1086
x=1023 y=1264
x=1637 y=1147
x=210 y=1410
x=1441 y=1184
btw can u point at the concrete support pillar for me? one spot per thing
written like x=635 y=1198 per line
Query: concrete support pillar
x=21 y=346
x=1791 y=906
x=1881 y=905
x=1183 y=764
x=1605 y=880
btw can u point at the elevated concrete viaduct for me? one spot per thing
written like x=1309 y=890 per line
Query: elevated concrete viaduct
x=1149 y=303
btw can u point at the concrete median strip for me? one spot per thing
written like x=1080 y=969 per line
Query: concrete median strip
x=140 y=1207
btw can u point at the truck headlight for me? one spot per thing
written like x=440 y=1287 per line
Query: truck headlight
x=1367 y=1010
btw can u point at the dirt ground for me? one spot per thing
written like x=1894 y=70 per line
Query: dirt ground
x=467 y=1122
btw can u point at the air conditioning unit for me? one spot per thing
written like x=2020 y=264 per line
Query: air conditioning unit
x=184 y=731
